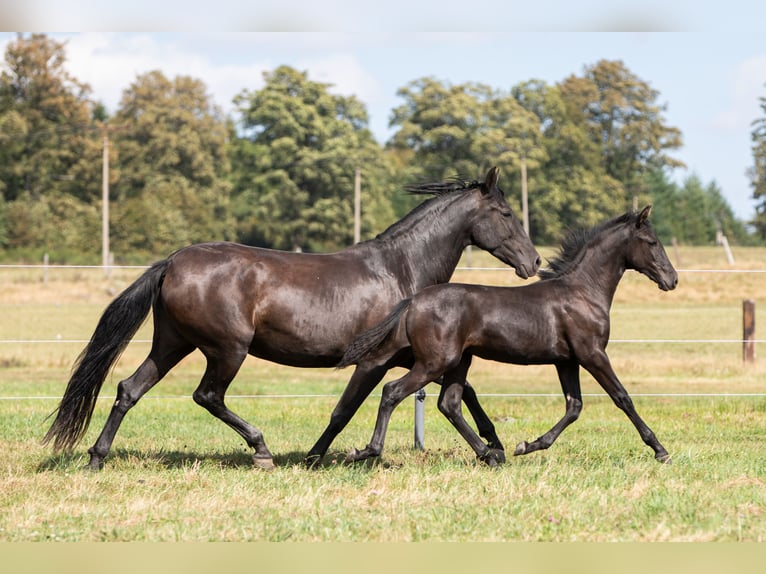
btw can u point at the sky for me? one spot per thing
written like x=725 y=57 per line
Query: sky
x=709 y=70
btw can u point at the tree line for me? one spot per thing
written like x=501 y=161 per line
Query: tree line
x=280 y=171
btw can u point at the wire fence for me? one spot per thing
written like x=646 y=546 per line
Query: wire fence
x=107 y=269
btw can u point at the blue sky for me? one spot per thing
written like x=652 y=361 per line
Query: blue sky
x=708 y=72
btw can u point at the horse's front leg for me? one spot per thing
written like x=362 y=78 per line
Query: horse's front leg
x=599 y=366
x=358 y=389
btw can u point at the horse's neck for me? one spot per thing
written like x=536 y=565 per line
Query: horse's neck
x=601 y=268
x=425 y=250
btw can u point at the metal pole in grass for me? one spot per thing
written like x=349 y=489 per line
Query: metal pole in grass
x=420 y=416
x=748 y=331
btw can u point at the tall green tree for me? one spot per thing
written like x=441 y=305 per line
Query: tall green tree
x=622 y=116
x=757 y=172
x=464 y=130
x=693 y=212
x=295 y=160
x=570 y=188
x=50 y=153
x=173 y=188
x=440 y=123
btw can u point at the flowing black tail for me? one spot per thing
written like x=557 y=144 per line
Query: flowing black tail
x=373 y=337
x=115 y=329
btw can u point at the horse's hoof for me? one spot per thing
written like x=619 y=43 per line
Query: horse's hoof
x=493 y=457
x=521 y=448
x=263 y=462
x=664 y=458
x=359 y=455
x=354 y=456
x=312 y=461
x=94 y=465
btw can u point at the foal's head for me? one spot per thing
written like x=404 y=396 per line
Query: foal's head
x=646 y=254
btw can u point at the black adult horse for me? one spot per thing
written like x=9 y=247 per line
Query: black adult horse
x=297 y=309
x=562 y=319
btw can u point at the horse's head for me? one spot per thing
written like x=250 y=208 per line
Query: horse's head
x=647 y=255
x=497 y=230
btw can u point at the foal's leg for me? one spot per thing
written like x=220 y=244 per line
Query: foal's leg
x=220 y=371
x=161 y=359
x=358 y=389
x=483 y=423
x=393 y=394
x=569 y=377
x=450 y=399
x=599 y=366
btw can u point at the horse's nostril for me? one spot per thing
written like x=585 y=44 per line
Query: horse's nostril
x=538 y=261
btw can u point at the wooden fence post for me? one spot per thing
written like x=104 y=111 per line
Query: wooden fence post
x=748 y=331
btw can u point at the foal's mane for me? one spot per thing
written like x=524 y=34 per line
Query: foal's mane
x=574 y=244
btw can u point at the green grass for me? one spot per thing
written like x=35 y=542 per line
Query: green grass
x=177 y=474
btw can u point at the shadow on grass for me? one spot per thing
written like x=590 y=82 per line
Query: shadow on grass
x=174 y=459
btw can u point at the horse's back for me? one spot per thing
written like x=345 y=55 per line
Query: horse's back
x=291 y=308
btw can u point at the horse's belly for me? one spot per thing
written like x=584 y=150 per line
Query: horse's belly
x=296 y=352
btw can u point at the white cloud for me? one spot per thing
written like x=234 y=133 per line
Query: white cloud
x=346 y=75
x=748 y=85
x=109 y=63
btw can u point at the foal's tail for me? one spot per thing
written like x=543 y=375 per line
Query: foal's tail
x=372 y=338
x=115 y=329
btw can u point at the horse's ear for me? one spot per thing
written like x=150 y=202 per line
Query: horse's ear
x=643 y=216
x=490 y=182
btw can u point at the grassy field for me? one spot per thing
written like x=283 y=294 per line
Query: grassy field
x=177 y=474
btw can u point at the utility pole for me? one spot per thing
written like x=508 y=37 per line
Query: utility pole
x=357 y=205
x=524 y=201
x=105 y=204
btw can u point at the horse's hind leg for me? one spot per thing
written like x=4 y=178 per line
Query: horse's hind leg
x=569 y=377
x=210 y=393
x=129 y=391
x=452 y=393
x=393 y=394
x=483 y=423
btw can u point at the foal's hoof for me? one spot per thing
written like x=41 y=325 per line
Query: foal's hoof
x=493 y=457
x=358 y=455
x=354 y=456
x=664 y=458
x=263 y=462
x=521 y=448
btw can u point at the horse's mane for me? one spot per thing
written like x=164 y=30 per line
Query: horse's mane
x=574 y=243
x=439 y=192
x=451 y=185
